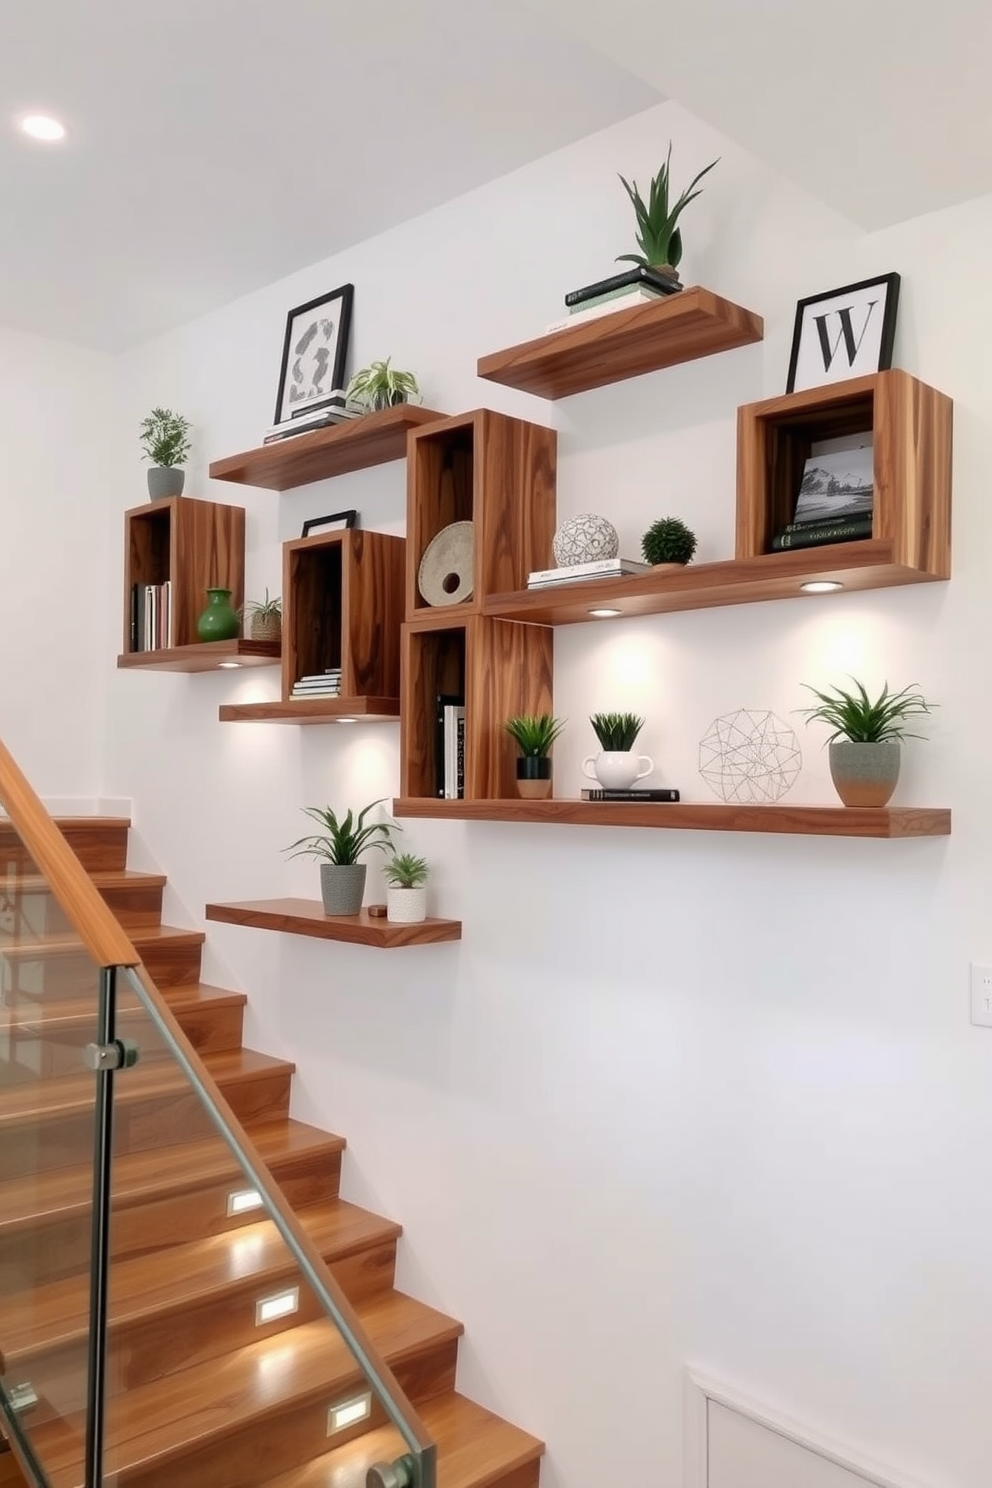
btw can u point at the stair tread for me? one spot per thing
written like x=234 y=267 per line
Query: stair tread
x=72 y=824
x=51 y=1014
x=105 y=878
x=474 y=1448
x=66 y=943
x=140 y=1176
x=252 y=1256
x=218 y=1397
x=41 y=1100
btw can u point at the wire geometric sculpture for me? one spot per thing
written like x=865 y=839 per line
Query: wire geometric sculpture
x=750 y=756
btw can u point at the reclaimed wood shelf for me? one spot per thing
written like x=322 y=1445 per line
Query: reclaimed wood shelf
x=373 y=439
x=810 y=821
x=314 y=710
x=204 y=656
x=625 y=343
x=307 y=917
x=870 y=564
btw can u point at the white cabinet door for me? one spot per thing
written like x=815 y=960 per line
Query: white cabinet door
x=744 y=1454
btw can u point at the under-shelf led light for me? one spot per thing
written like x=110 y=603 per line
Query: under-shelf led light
x=821 y=586
x=604 y=614
x=349 y=1412
x=42 y=127
x=228 y=665
x=347 y=720
x=279 y=1305
x=243 y=1201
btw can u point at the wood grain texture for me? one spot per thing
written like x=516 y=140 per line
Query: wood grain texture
x=626 y=343
x=324 y=710
x=99 y=842
x=133 y=898
x=372 y=440
x=307 y=917
x=203 y=656
x=205 y=550
x=854 y=565
x=811 y=821
x=913 y=468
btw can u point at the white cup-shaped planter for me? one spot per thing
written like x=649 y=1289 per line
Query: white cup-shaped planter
x=617 y=769
x=406 y=906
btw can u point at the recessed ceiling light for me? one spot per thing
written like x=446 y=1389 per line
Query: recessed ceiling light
x=821 y=586
x=604 y=614
x=42 y=127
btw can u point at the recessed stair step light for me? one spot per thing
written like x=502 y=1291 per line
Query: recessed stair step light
x=349 y=1412
x=279 y=1305
x=243 y=1201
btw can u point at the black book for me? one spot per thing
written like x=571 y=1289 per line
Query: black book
x=660 y=794
x=814 y=537
x=638 y=275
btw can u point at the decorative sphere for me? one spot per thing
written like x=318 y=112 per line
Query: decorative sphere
x=585 y=539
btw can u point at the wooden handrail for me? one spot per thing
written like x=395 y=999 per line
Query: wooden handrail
x=105 y=941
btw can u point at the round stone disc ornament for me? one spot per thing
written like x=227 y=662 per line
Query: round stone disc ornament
x=585 y=539
x=445 y=573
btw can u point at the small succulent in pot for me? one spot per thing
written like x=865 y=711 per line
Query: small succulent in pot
x=659 y=236
x=534 y=735
x=616 y=767
x=866 y=737
x=668 y=540
x=264 y=618
x=164 y=436
x=338 y=848
x=380 y=386
x=406 y=891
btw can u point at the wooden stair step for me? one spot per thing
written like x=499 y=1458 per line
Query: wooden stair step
x=170 y=953
x=475 y=1449
x=65 y=943
x=134 y=897
x=211 y=1017
x=99 y=842
x=215 y=1423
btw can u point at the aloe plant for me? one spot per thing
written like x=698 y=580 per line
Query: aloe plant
x=534 y=733
x=616 y=731
x=404 y=871
x=863 y=720
x=658 y=232
x=342 y=842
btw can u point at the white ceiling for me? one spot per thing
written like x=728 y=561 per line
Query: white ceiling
x=216 y=145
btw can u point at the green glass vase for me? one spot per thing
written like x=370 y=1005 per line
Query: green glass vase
x=219 y=621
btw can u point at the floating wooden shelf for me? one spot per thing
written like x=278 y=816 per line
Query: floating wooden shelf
x=854 y=565
x=625 y=343
x=810 y=821
x=307 y=917
x=314 y=710
x=373 y=439
x=204 y=656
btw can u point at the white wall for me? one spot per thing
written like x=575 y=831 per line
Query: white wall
x=675 y=1097
x=55 y=562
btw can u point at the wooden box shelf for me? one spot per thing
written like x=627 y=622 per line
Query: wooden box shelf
x=910 y=424
x=811 y=821
x=626 y=343
x=374 y=439
x=205 y=656
x=307 y=917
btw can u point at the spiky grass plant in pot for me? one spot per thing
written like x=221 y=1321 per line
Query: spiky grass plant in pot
x=534 y=734
x=659 y=235
x=406 y=889
x=164 y=437
x=669 y=542
x=380 y=386
x=338 y=848
x=866 y=738
x=617 y=767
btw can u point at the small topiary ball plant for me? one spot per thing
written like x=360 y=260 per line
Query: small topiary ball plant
x=668 y=541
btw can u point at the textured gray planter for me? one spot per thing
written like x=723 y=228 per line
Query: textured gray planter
x=165 y=480
x=865 y=774
x=342 y=887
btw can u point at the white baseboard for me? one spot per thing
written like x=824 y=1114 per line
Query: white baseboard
x=700 y=1389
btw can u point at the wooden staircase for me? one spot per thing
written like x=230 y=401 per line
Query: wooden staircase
x=199 y=1393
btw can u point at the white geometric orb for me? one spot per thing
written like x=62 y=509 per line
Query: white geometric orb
x=585 y=539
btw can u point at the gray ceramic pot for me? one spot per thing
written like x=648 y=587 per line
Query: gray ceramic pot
x=865 y=774
x=165 y=480
x=342 y=887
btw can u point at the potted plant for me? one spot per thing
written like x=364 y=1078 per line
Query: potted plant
x=380 y=386
x=165 y=438
x=616 y=767
x=668 y=541
x=865 y=745
x=406 y=889
x=264 y=618
x=534 y=735
x=658 y=233
x=339 y=847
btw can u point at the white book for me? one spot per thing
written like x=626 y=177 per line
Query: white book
x=599 y=568
x=622 y=302
x=451 y=716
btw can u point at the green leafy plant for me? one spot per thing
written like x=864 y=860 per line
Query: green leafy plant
x=165 y=437
x=263 y=609
x=342 y=842
x=863 y=720
x=380 y=385
x=658 y=234
x=404 y=871
x=616 y=731
x=534 y=733
x=668 y=540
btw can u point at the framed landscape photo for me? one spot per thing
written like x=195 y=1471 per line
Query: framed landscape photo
x=844 y=333
x=334 y=523
x=314 y=353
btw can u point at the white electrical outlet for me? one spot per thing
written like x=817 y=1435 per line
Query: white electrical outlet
x=981 y=995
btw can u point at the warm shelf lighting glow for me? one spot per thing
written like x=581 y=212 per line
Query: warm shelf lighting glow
x=228 y=665
x=279 y=1305
x=349 y=1412
x=347 y=720
x=604 y=614
x=820 y=586
x=42 y=127
x=243 y=1202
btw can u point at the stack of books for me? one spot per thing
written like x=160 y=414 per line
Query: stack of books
x=325 y=684
x=338 y=410
x=574 y=573
x=151 y=627
x=638 y=286
x=835 y=500
x=449 y=751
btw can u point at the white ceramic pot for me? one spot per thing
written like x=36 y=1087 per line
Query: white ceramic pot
x=406 y=906
x=617 y=769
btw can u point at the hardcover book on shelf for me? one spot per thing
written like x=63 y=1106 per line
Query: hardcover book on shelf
x=817 y=536
x=609 y=305
x=601 y=568
x=449 y=721
x=659 y=794
x=636 y=276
